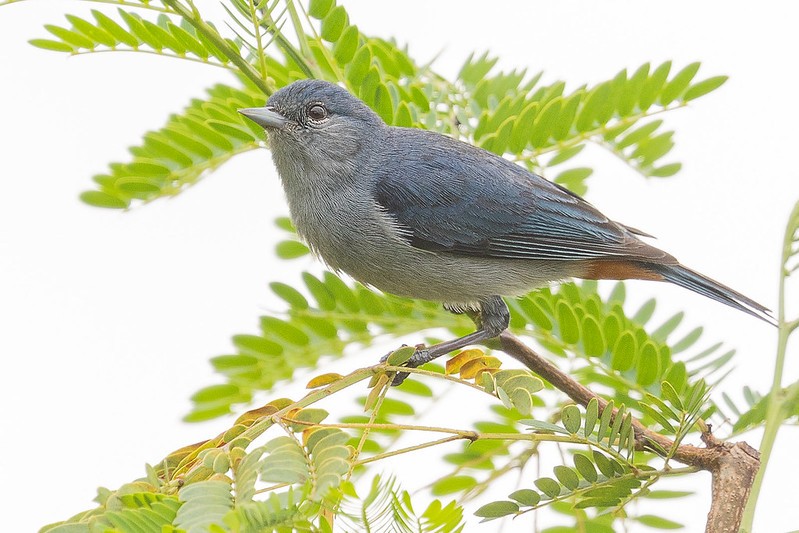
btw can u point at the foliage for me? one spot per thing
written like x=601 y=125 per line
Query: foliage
x=308 y=473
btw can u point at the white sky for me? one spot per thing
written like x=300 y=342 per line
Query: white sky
x=107 y=319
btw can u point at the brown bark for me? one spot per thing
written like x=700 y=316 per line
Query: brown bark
x=732 y=465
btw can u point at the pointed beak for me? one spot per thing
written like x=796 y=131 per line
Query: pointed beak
x=266 y=117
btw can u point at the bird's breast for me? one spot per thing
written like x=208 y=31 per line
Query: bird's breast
x=340 y=226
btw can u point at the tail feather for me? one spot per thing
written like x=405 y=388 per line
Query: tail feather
x=694 y=281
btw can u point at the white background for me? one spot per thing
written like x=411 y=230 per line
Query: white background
x=107 y=319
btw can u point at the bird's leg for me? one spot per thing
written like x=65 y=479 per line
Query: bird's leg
x=492 y=319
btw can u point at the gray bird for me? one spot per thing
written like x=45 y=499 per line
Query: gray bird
x=422 y=215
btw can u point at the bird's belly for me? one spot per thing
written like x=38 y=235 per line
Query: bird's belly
x=415 y=273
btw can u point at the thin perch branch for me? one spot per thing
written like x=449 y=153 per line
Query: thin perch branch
x=733 y=466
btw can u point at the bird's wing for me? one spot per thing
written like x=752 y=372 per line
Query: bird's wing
x=447 y=196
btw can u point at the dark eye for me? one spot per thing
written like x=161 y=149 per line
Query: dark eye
x=317 y=112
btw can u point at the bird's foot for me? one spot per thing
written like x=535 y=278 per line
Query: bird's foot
x=421 y=356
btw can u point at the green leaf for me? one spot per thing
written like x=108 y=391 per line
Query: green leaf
x=320 y=292
x=618 y=294
x=48 y=44
x=668 y=327
x=586 y=467
x=639 y=134
x=570 y=415
x=334 y=23
x=70 y=37
x=629 y=97
x=687 y=341
x=567 y=477
x=648 y=364
x=359 y=67
x=653 y=85
x=624 y=352
x=541 y=425
x=256 y=346
x=214 y=392
x=383 y=104
x=678 y=84
x=101 y=199
x=284 y=331
x=564 y=155
x=497 y=509
x=658 y=522
x=204 y=504
x=391 y=406
x=615 y=429
x=567 y=322
x=289 y=294
x=604 y=421
x=474 y=70
x=319 y=8
x=523 y=128
x=596 y=502
x=545 y=121
x=703 y=87
x=653 y=413
x=668 y=392
x=625 y=433
x=403 y=117
x=611 y=329
x=677 y=376
x=344 y=50
x=574 y=179
x=643 y=314
x=664 y=494
x=187 y=41
x=591 y=415
x=593 y=340
x=564 y=126
x=400 y=356
x=344 y=295
x=548 y=486
x=665 y=171
x=453 y=484
x=593 y=102
x=138 y=29
x=416 y=388
x=291 y=249
x=603 y=464
x=113 y=28
x=522 y=400
x=526 y=497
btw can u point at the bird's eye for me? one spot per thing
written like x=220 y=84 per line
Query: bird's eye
x=317 y=112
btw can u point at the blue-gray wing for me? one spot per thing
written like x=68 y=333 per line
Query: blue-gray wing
x=448 y=196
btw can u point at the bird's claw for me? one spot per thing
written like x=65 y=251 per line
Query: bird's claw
x=419 y=357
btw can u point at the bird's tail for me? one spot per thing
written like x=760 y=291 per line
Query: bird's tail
x=694 y=281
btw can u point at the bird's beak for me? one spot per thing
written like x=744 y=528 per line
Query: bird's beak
x=266 y=117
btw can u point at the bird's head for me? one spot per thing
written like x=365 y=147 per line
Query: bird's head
x=315 y=127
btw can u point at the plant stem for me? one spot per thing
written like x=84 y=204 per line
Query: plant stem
x=774 y=412
x=162 y=54
x=301 y=37
x=258 y=43
x=392 y=453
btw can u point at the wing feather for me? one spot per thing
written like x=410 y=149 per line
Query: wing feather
x=448 y=196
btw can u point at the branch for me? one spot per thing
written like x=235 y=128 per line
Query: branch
x=733 y=466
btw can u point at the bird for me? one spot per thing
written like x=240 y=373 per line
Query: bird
x=423 y=215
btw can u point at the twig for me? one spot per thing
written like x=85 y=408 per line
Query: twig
x=733 y=466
